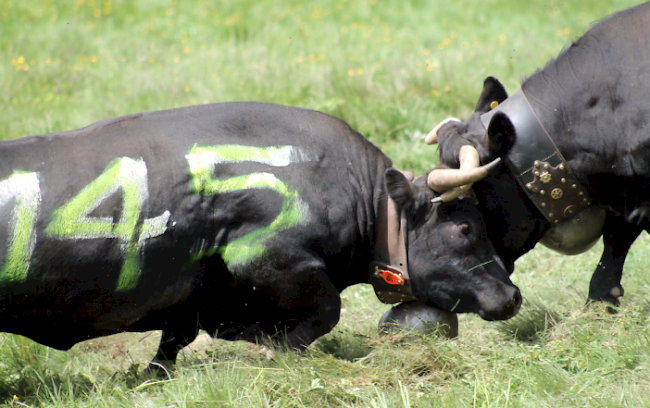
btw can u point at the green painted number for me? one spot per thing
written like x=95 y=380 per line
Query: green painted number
x=24 y=190
x=202 y=162
x=73 y=220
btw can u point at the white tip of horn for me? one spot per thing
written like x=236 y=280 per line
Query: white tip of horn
x=432 y=137
x=492 y=164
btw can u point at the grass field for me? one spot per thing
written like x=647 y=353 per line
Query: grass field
x=392 y=69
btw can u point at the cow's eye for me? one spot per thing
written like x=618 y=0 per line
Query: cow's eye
x=463 y=228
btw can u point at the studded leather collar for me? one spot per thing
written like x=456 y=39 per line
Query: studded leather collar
x=538 y=165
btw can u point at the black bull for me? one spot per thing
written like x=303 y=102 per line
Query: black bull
x=592 y=104
x=243 y=219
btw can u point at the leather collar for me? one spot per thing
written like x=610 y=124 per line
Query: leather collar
x=538 y=165
x=389 y=269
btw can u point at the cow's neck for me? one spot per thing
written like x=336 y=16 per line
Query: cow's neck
x=538 y=165
x=363 y=187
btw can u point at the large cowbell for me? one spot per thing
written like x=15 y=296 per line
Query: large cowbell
x=578 y=234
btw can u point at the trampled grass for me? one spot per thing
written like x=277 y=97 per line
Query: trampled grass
x=392 y=69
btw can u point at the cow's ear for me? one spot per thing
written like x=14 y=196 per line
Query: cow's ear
x=493 y=94
x=501 y=134
x=400 y=189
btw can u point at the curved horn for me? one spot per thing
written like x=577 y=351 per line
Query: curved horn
x=442 y=180
x=454 y=182
x=432 y=137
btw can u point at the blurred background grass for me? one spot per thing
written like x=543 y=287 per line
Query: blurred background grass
x=392 y=69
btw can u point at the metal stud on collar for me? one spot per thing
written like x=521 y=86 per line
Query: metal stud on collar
x=550 y=191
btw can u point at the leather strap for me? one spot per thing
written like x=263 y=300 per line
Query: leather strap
x=538 y=165
x=389 y=269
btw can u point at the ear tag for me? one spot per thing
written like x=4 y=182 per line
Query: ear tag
x=392 y=278
x=494 y=104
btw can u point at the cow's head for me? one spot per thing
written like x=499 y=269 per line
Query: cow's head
x=451 y=262
x=513 y=223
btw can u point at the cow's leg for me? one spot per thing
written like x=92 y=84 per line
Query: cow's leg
x=315 y=326
x=174 y=338
x=618 y=236
x=317 y=309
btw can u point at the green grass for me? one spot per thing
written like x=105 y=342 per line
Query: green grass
x=392 y=69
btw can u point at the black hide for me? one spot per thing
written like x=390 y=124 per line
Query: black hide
x=243 y=219
x=593 y=101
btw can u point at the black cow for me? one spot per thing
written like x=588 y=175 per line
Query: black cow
x=575 y=136
x=243 y=219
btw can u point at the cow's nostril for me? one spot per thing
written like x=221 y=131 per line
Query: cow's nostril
x=517 y=299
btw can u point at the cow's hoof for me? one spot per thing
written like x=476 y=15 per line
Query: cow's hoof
x=609 y=305
x=603 y=305
x=612 y=298
x=157 y=369
x=421 y=318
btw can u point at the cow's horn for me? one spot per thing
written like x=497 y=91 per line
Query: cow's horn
x=454 y=182
x=451 y=194
x=442 y=180
x=432 y=137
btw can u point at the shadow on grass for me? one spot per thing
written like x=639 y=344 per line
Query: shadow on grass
x=344 y=346
x=532 y=324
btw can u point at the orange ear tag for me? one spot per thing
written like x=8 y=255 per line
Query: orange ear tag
x=392 y=278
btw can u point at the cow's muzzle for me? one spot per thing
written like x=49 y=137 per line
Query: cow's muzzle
x=502 y=306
